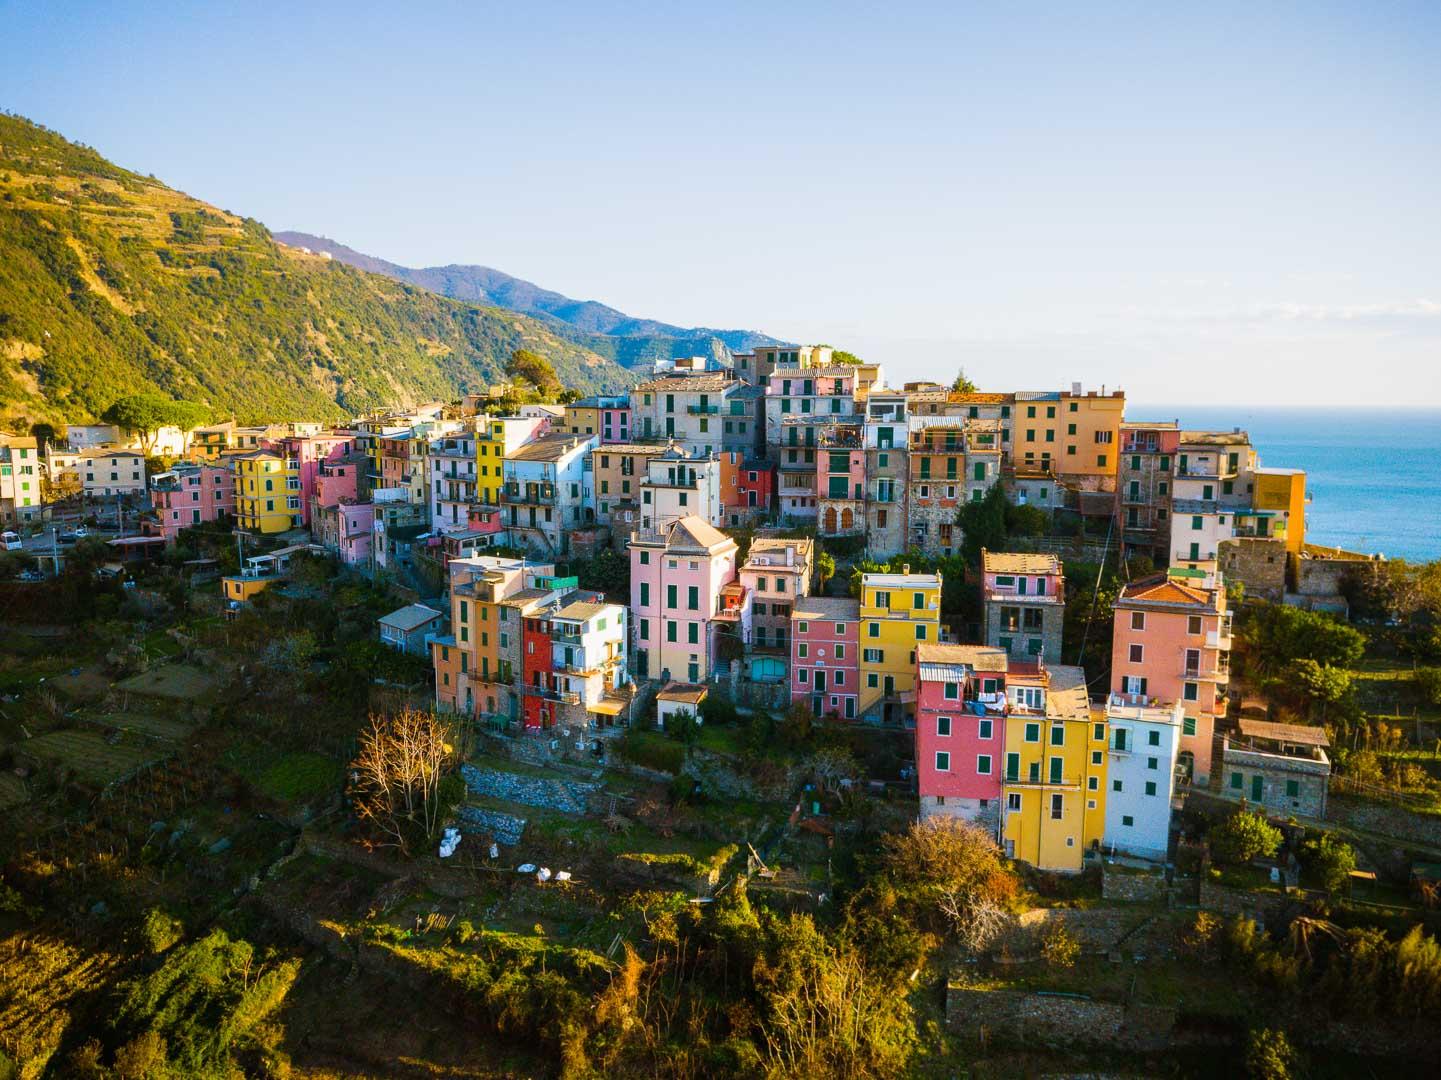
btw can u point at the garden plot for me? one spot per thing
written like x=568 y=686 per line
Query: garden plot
x=91 y=755
x=174 y=682
x=157 y=727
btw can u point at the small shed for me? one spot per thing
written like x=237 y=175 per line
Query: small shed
x=406 y=629
x=677 y=697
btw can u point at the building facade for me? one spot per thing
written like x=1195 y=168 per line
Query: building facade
x=825 y=662
x=1024 y=598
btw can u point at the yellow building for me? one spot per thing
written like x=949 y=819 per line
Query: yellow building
x=1054 y=779
x=496 y=439
x=1283 y=492
x=1090 y=434
x=898 y=611
x=267 y=492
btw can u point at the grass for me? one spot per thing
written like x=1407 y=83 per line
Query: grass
x=1195 y=988
x=722 y=739
x=154 y=726
x=292 y=777
x=159 y=644
x=90 y=755
x=652 y=749
x=176 y=682
x=1386 y=688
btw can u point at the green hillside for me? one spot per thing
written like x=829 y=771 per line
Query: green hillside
x=113 y=283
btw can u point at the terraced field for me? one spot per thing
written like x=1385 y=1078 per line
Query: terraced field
x=90 y=755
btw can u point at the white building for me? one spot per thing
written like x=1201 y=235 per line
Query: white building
x=588 y=643
x=452 y=481
x=677 y=485
x=1144 y=738
x=547 y=492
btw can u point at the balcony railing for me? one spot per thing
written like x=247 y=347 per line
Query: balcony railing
x=1071 y=782
x=702 y=410
x=565 y=697
x=1199 y=556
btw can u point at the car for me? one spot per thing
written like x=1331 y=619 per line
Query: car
x=10 y=541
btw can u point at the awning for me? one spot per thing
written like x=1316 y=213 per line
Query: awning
x=607 y=708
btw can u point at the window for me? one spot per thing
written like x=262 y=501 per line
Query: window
x=801 y=650
x=645 y=558
x=984 y=729
x=1033 y=733
x=1013 y=801
x=1193 y=624
x=874 y=656
x=1188 y=725
x=1293 y=789
x=693 y=633
x=920 y=631
x=1153 y=763
x=1137 y=654
x=1013 y=766
x=1150 y=787
x=1127 y=820
x=1191 y=692
x=918 y=601
x=1098 y=732
x=1138 y=620
x=670 y=596
x=1093 y=783
x=952 y=691
x=670 y=632
x=803 y=675
x=840 y=652
x=692 y=598
x=1058 y=734
x=1153 y=738
x=983 y=765
x=1236 y=781
x=943 y=761
x=872 y=681
x=1116 y=785
x=1058 y=806
x=1096 y=756
x=943 y=726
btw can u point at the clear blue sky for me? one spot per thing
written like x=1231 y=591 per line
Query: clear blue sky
x=1213 y=201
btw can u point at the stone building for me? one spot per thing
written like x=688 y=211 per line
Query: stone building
x=1025 y=604
x=1282 y=768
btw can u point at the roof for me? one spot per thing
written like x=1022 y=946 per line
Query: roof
x=901 y=580
x=548 y=447
x=937 y=662
x=803 y=545
x=980 y=399
x=1218 y=438
x=696 y=384
x=630 y=448
x=687 y=693
x=1066 y=695
x=1019 y=562
x=1299 y=734
x=827 y=608
x=581 y=610
x=411 y=617
x=104 y=451
x=692 y=533
x=1160 y=589
x=523 y=598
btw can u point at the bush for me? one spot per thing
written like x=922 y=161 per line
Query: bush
x=1270 y=1055
x=1059 y=947
x=1428 y=681
x=1242 y=837
x=1330 y=859
x=160 y=930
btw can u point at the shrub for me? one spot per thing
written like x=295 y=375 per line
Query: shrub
x=1428 y=681
x=160 y=930
x=1330 y=859
x=1242 y=837
x=1270 y=1055
x=1059 y=947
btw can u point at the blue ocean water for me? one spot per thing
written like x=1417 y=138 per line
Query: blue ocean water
x=1374 y=475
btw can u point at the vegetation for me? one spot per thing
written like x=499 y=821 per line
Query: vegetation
x=396 y=778
x=143 y=415
x=113 y=280
x=1242 y=837
x=962 y=384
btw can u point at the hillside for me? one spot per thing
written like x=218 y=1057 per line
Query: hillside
x=111 y=282
x=587 y=322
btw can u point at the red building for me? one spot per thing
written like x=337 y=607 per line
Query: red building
x=960 y=731
x=537 y=670
x=756 y=488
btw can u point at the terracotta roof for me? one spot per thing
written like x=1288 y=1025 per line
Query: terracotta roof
x=1019 y=562
x=980 y=399
x=1066 y=696
x=698 y=384
x=581 y=610
x=630 y=448
x=1162 y=590
x=687 y=693
x=977 y=657
x=1299 y=734
x=690 y=533
x=548 y=447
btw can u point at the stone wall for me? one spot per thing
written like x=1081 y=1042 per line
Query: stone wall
x=1259 y=564
x=566 y=796
x=1057 y=1020
x=1133 y=887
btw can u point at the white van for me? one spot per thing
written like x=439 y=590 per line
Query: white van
x=10 y=541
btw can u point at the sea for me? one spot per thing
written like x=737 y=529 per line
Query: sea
x=1373 y=475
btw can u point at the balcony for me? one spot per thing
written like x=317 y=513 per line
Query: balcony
x=565 y=697
x=1219 y=639
x=1199 y=555
x=1193 y=470
x=539 y=494
x=703 y=410
x=1220 y=673
x=849 y=438
x=1063 y=783
x=566 y=637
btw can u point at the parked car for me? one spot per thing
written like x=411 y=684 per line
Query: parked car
x=10 y=541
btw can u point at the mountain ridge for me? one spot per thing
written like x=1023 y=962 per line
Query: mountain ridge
x=113 y=283
x=475 y=283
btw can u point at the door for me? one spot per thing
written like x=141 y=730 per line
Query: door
x=1256 y=788
x=1195 y=550
x=693 y=672
x=820 y=682
x=890 y=690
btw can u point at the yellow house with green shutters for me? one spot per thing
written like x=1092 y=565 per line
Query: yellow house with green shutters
x=496 y=439
x=267 y=492
x=897 y=613
x=1053 y=769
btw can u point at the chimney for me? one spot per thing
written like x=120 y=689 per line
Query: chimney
x=1075 y=389
x=905 y=568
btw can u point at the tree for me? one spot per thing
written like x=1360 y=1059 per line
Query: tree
x=1059 y=947
x=143 y=415
x=1275 y=636
x=825 y=568
x=1027 y=521
x=609 y=573
x=1270 y=1055
x=840 y=356
x=963 y=385
x=1242 y=837
x=1331 y=859
x=534 y=369
x=46 y=433
x=1428 y=681
x=832 y=765
x=59 y=487
x=683 y=726
x=395 y=778
x=983 y=524
x=952 y=868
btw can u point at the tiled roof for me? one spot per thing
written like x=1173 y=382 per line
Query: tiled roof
x=698 y=384
x=936 y=662
x=548 y=447
x=1066 y=696
x=1019 y=562
x=827 y=608
x=581 y=610
x=1160 y=589
x=980 y=399
x=630 y=448
x=1299 y=734
x=687 y=693
x=411 y=617
x=1215 y=438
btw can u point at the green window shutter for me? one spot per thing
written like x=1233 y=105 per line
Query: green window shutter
x=1237 y=783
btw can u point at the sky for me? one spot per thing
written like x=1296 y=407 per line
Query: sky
x=1211 y=202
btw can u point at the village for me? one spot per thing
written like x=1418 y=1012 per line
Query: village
x=727 y=635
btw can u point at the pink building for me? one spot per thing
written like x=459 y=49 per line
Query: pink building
x=345 y=528
x=841 y=481
x=313 y=451
x=190 y=494
x=825 y=655
x=615 y=419
x=676 y=577
x=960 y=731
x=1172 y=642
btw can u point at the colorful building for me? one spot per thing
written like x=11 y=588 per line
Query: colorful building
x=497 y=439
x=677 y=485
x=312 y=452
x=1144 y=481
x=108 y=472
x=841 y=479
x=1172 y=644
x=677 y=574
x=825 y=657
x=20 y=495
x=1055 y=767
x=1024 y=600
x=1279 y=505
x=267 y=492
x=618 y=470
x=777 y=572
x=548 y=492
x=1143 y=743
x=453 y=461
x=807 y=393
x=960 y=732
x=190 y=494
x=605 y=415
x=899 y=612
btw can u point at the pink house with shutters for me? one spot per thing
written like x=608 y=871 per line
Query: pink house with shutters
x=960 y=731
x=677 y=574
x=190 y=494
x=313 y=452
x=825 y=655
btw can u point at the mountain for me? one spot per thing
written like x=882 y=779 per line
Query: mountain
x=112 y=283
x=637 y=340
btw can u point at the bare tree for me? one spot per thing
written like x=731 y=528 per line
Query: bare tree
x=395 y=778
